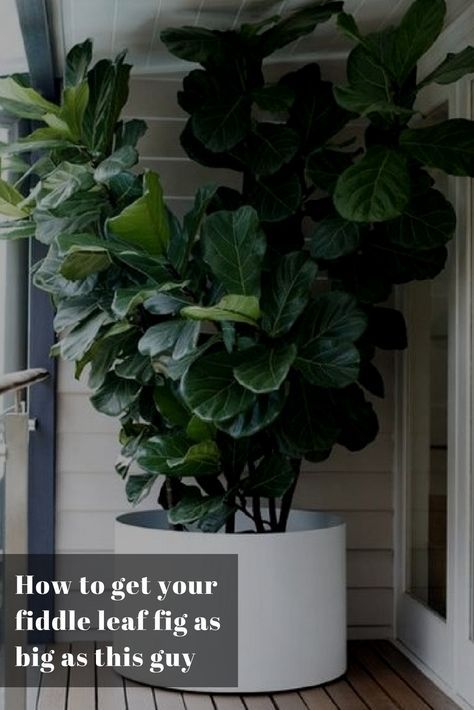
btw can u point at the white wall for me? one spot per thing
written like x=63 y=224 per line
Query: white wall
x=359 y=486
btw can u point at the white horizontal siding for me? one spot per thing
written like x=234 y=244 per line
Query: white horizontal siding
x=358 y=486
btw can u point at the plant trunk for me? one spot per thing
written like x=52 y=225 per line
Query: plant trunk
x=287 y=500
x=171 y=501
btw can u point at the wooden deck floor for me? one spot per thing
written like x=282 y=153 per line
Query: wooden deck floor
x=379 y=678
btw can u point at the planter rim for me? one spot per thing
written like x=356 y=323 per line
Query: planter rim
x=300 y=521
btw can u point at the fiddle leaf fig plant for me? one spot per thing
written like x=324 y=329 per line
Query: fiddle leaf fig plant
x=238 y=341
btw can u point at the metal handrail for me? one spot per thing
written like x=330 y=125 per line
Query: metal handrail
x=14 y=381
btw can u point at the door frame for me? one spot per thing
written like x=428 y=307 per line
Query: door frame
x=442 y=648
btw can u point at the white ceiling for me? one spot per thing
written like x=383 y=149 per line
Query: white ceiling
x=136 y=25
x=12 y=52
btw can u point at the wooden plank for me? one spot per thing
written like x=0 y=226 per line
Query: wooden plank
x=168 y=699
x=228 y=702
x=393 y=685
x=197 y=701
x=415 y=678
x=258 y=702
x=317 y=699
x=288 y=701
x=344 y=696
x=139 y=697
x=110 y=688
x=80 y=697
x=365 y=686
x=48 y=696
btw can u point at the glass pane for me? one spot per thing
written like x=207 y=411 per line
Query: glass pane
x=428 y=357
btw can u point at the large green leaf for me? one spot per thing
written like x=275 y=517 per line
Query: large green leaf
x=24 y=102
x=120 y=160
x=329 y=362
x=194 y=44
x=209 y=512
x=77 y=63
x=182 y=240
x=81 y=261
x=364 y=100
x=296 y=25
x=269 y=147
x=448 y=145
x=176 y=336
x=63 y=182
x=286 y=293
x=222 y=124
x=277 y=196
x=175 y=455
x=79 y=340
x=264 y=369
x=258 y=417
x=81 y=212
x=144 y=223
x=307 y=421
x=75 y=100
x=115 y=395
x=138 y=487
x=417 y=31
x=334 y=237
x=41 y=139
x=10 y=200
x=274 y=97
x=334 y=314
x=234 y=246
x=126 y=299
x=377 y=188
x=239 y=309
x=17 y=229
x=211 y=391
x=356 y=417
x=314 y=115
x=272 y=477
x=323 y=167
x=170 y=405
x=454 y=67
x=429 y=221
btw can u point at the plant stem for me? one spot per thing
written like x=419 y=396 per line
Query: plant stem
x=273 y=515
x=287 y=499
x=257 y=514
x=170 y=501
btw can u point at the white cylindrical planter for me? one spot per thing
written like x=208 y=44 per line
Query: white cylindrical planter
x=292 y=594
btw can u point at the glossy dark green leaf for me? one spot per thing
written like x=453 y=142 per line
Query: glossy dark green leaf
x=269 y=147
x=377 y=188
x=222 y=124
x=170 y=404
x=348 y=26
x=356 y=417
x=182 y=240
x=126 y=299
x=264 y=411
x=277 y=197
x=77 y=63
x=428 y=222
x=234 y=247
x=334 y=315
x=418 y=30
x=334 y=237
x=174 y=455
x=264 y=369
x=115 y=395
x=454 y=67
x=307 y=421
x=194 y=44
x=273 y=97
x=296 y=25
x=211 y=390
x=120 y=160
x=272 y=477
x=323 y=167
x=286 y=292
x=135 y=367
x=80 y=262
x=80 y=338
x=175 y=336
x=314 y=115
x=448 y=145
x=130 y=133
x=138 y=487
x=329 y=362
x=144 y=223
x=23 y=101
x=239 y=309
